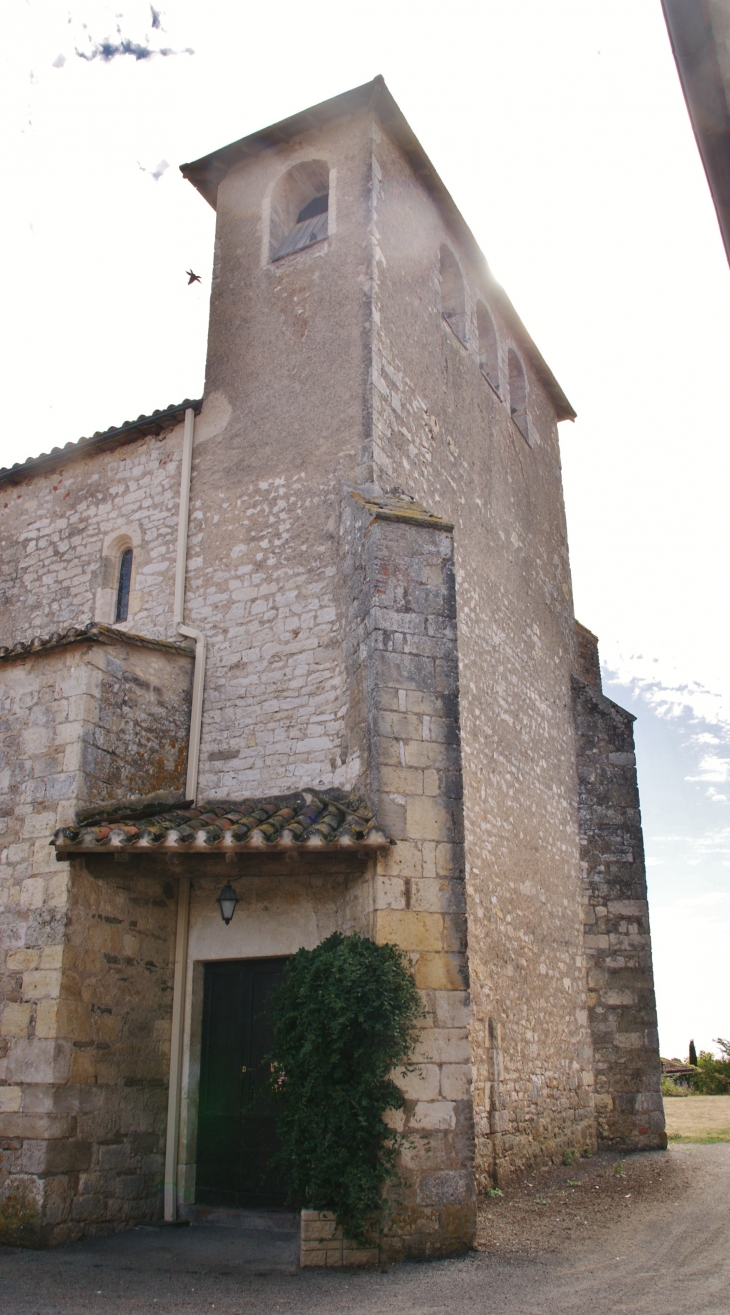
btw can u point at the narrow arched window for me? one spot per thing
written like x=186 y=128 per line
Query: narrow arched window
x=518 y=393
x=125 y=579
x=452 y=293
x=488 y=353
x=299 y=209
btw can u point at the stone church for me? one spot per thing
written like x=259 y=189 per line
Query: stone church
x=301 y=656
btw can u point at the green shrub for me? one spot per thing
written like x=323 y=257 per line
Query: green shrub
x=345 y=1016
x=672 y=1088
x=713 y=1078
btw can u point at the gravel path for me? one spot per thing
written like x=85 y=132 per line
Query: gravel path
x=653 y=1241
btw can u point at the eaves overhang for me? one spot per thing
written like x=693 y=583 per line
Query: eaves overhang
x=159 y=422
x=703 y=65
x=207 y=173
x=307 y=821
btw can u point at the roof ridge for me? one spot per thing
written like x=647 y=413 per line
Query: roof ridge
x=306 y=818
x=95 y=631
x=102 y=438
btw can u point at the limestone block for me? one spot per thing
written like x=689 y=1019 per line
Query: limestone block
x=616 y=998
x=88 y=1208
x=455 y=932
x=389 y=893
x=40 y=1126
x=443 y=1045
x=64 y=1018
x=434 y=1116
x=14 y=1020
x=130 y=1185
x=432 y=896
x=57 y=889
x=318 y=1224
x=404 y=859
x=39 y=1060
x=11 y=1099
x=410 y=930
x=447 y=1187
x=66 y=1155
x=440 y=972
x=52 y=956
x=627 y=908
x=422 y=1083
x=456 y=1081
x=40 y=983
x=402 y=780
x=452 y=1008
x=449 y=860
x=353 y=1256
x=20 y=960
x=429 y=819
x=31 y=892
x=431 y=753
x=39 y=825
x=312 y=1256
x=629 y=1040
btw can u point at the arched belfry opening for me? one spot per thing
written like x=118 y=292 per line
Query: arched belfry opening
x=453 y=307
x=299 y=209
x=517 y=392
x=488 y=350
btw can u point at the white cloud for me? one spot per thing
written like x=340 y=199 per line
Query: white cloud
x=712 y=768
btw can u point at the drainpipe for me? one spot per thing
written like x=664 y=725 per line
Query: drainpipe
x=176 y=1049
x=191 y=791
x=196 y=710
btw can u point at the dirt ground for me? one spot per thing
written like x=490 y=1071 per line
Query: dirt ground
x=698 y=1118
x=581 y=1240
x=577 y=1202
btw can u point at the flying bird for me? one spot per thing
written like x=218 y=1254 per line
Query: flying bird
x=192 y=278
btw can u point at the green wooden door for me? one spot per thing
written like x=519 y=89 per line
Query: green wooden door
x=237 y=1117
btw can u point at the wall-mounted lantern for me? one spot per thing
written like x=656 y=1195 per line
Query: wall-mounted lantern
x=227 y=901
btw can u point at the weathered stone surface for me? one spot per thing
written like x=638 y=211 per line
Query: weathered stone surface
x=377 y=556
x=622 y=1006
x=87 y=977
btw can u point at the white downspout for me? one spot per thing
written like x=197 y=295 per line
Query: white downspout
x=191 y=792
x=196 y=710
x=176 y=1049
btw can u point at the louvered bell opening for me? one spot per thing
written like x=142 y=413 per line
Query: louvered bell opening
x=311 y=227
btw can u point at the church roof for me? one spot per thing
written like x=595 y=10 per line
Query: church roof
x=102 y=441
x=307 y=819
x=208 y=172
x=92 y=632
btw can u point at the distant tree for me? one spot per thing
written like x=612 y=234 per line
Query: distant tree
x=713 y=1078
x=692 y=1054
x=724 y=1046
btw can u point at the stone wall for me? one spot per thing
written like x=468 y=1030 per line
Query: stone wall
x=404 y=676
x=443 y=432
x=622 y=1006
x=84 y=966
x=285 y=377
x=58 y=560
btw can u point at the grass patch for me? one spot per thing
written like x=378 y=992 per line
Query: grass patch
x=720 y=1135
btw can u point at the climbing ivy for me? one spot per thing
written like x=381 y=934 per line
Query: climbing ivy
x=345 y=1015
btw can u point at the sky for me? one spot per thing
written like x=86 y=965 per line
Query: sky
x=561 y=131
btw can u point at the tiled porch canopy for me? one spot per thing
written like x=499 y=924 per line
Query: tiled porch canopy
x=308 y=819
